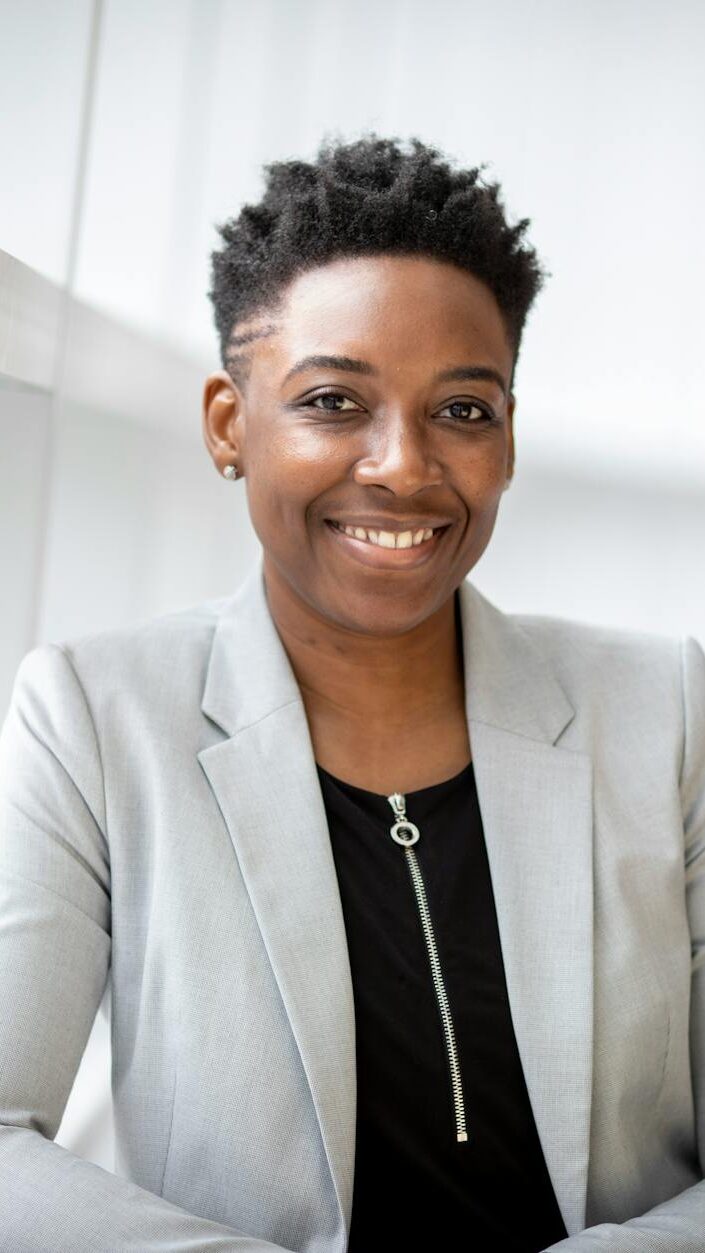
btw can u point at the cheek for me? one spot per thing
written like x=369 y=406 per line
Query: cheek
x=285 y=451
x=479 y=470
x=315 y=456
x=287 y=472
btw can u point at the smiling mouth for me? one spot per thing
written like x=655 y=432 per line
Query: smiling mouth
x=389 y=540
x=417 y=548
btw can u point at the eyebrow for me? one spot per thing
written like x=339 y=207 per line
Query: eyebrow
x=352 y=365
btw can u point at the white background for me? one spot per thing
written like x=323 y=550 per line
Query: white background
x=128 y=129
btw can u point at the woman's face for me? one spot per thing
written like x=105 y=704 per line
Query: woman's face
x=380 y=440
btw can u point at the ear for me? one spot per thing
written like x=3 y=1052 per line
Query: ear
x=222 y=420
x=511 y=403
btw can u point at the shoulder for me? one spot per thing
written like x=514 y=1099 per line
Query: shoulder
x=616 y=663
x=582 y=653
x=166 y=652
x=653 y=676
x=583 y=646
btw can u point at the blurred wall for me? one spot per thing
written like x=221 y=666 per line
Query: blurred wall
x=129 y=129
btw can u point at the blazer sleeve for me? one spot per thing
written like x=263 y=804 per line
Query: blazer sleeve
x=677 y=1225
x=55 y=946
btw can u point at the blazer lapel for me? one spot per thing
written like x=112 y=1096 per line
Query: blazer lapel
x=265 y=781
x=535 y=801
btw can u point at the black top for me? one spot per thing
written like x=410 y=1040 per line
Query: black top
x=416 y=1187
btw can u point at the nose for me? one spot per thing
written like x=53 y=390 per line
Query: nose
x=399 y=457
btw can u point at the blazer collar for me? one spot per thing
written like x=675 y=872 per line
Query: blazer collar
x=535 y=799
x=509 y=681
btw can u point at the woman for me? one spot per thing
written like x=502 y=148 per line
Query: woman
x=402 y=897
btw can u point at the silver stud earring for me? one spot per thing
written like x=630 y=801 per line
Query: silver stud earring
x=231 y=472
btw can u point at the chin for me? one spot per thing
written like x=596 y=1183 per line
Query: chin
x=381 y=613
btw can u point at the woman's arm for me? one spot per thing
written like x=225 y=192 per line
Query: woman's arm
x=677 y=1225
x=55 y=947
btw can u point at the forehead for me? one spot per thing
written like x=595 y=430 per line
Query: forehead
x=394 y=308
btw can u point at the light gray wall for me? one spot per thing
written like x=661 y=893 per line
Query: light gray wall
x=129 y=128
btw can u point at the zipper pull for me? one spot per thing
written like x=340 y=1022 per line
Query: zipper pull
x=404 y=832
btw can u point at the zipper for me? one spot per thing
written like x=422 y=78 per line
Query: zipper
x=407 y=833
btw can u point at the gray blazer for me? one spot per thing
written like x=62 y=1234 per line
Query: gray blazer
x=161 y=824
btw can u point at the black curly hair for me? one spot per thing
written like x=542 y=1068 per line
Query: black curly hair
x=365 y=197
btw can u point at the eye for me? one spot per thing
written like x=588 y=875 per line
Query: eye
x=332 y=396
x=476 y=415
x=480 y=413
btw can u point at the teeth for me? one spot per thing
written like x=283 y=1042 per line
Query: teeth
x=387 y=539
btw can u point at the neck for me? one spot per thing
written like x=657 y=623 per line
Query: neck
x=412 y=678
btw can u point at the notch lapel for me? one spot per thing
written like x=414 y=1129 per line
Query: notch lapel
x=535 y=801
x=265 y=782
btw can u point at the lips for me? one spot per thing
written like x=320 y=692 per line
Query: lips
x=375 y=557
x=385 y=538
x=377 y=522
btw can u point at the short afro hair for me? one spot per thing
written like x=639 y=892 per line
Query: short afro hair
x=359 y=198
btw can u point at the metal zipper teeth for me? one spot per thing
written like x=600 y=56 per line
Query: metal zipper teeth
x=398 y=803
